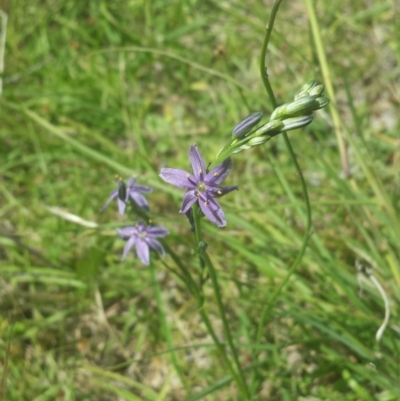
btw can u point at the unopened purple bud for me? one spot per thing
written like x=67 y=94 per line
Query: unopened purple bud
x=247 y=124
x=121 y=189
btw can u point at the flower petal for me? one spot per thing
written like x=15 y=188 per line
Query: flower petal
x=126 y=232
x=218 y=191
x=188 y=200
x=131 y=182
x=121 y=206
x=219 y=173
x=156 y=246
x=213 y=212
x=113 y=195
x=154 y=232
x=139 y=199
x=199 y=169
x=131 y=186
x=179 y=178
x=129 y=244
x=141 y=188
x=142 y=250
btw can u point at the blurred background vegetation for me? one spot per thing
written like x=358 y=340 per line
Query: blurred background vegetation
x=97 y=88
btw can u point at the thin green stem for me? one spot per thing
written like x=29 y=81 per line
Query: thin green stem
x=200 y=302
x=188 y=279
x=214 y=280
x=197 y=225
x=263 y=68
x=239 y=375
x=229 y=151
x=164 y=324
x=264 y=76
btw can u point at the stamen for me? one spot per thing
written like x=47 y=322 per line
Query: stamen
x=219 y=192
x=216 y=174
x=206 y=203
x=187 y=175
x=200 y=170
x=198 y=194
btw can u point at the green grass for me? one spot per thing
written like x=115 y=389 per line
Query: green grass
x=94 y=89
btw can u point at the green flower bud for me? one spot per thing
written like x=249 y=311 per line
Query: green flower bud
x=306 y=88
x=296 y=122
x=268 y=128
x=279 y=112
x=258 y=140
x=304 y=105
x=317 y=90
x=322 y=102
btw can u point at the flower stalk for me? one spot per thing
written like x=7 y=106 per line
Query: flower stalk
x=312 y=88
x=239 y=375
x=287 y=117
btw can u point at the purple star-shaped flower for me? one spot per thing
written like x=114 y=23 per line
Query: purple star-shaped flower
x=201 y=186
x=142 y=237
x=126 y=191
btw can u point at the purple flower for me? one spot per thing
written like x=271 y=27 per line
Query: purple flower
x=201 y=186
x=142 y=237
x=130 y=190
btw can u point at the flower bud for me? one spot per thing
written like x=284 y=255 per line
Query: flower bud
x=306 y=89
x=121 y=189
x=269 y=128
x=247 y=124
x=257 y=140
x=279 y=112
x=304 y=105
x=322 y=102
x=296 y=122
x=317 y=90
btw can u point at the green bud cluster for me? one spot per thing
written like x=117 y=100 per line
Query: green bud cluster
x=311 y=88
x=286 y=117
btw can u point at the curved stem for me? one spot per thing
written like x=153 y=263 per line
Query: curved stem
x=264 y=76
x=263 y=68
x=239 y=375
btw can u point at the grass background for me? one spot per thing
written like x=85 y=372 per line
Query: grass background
x=97 y=88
